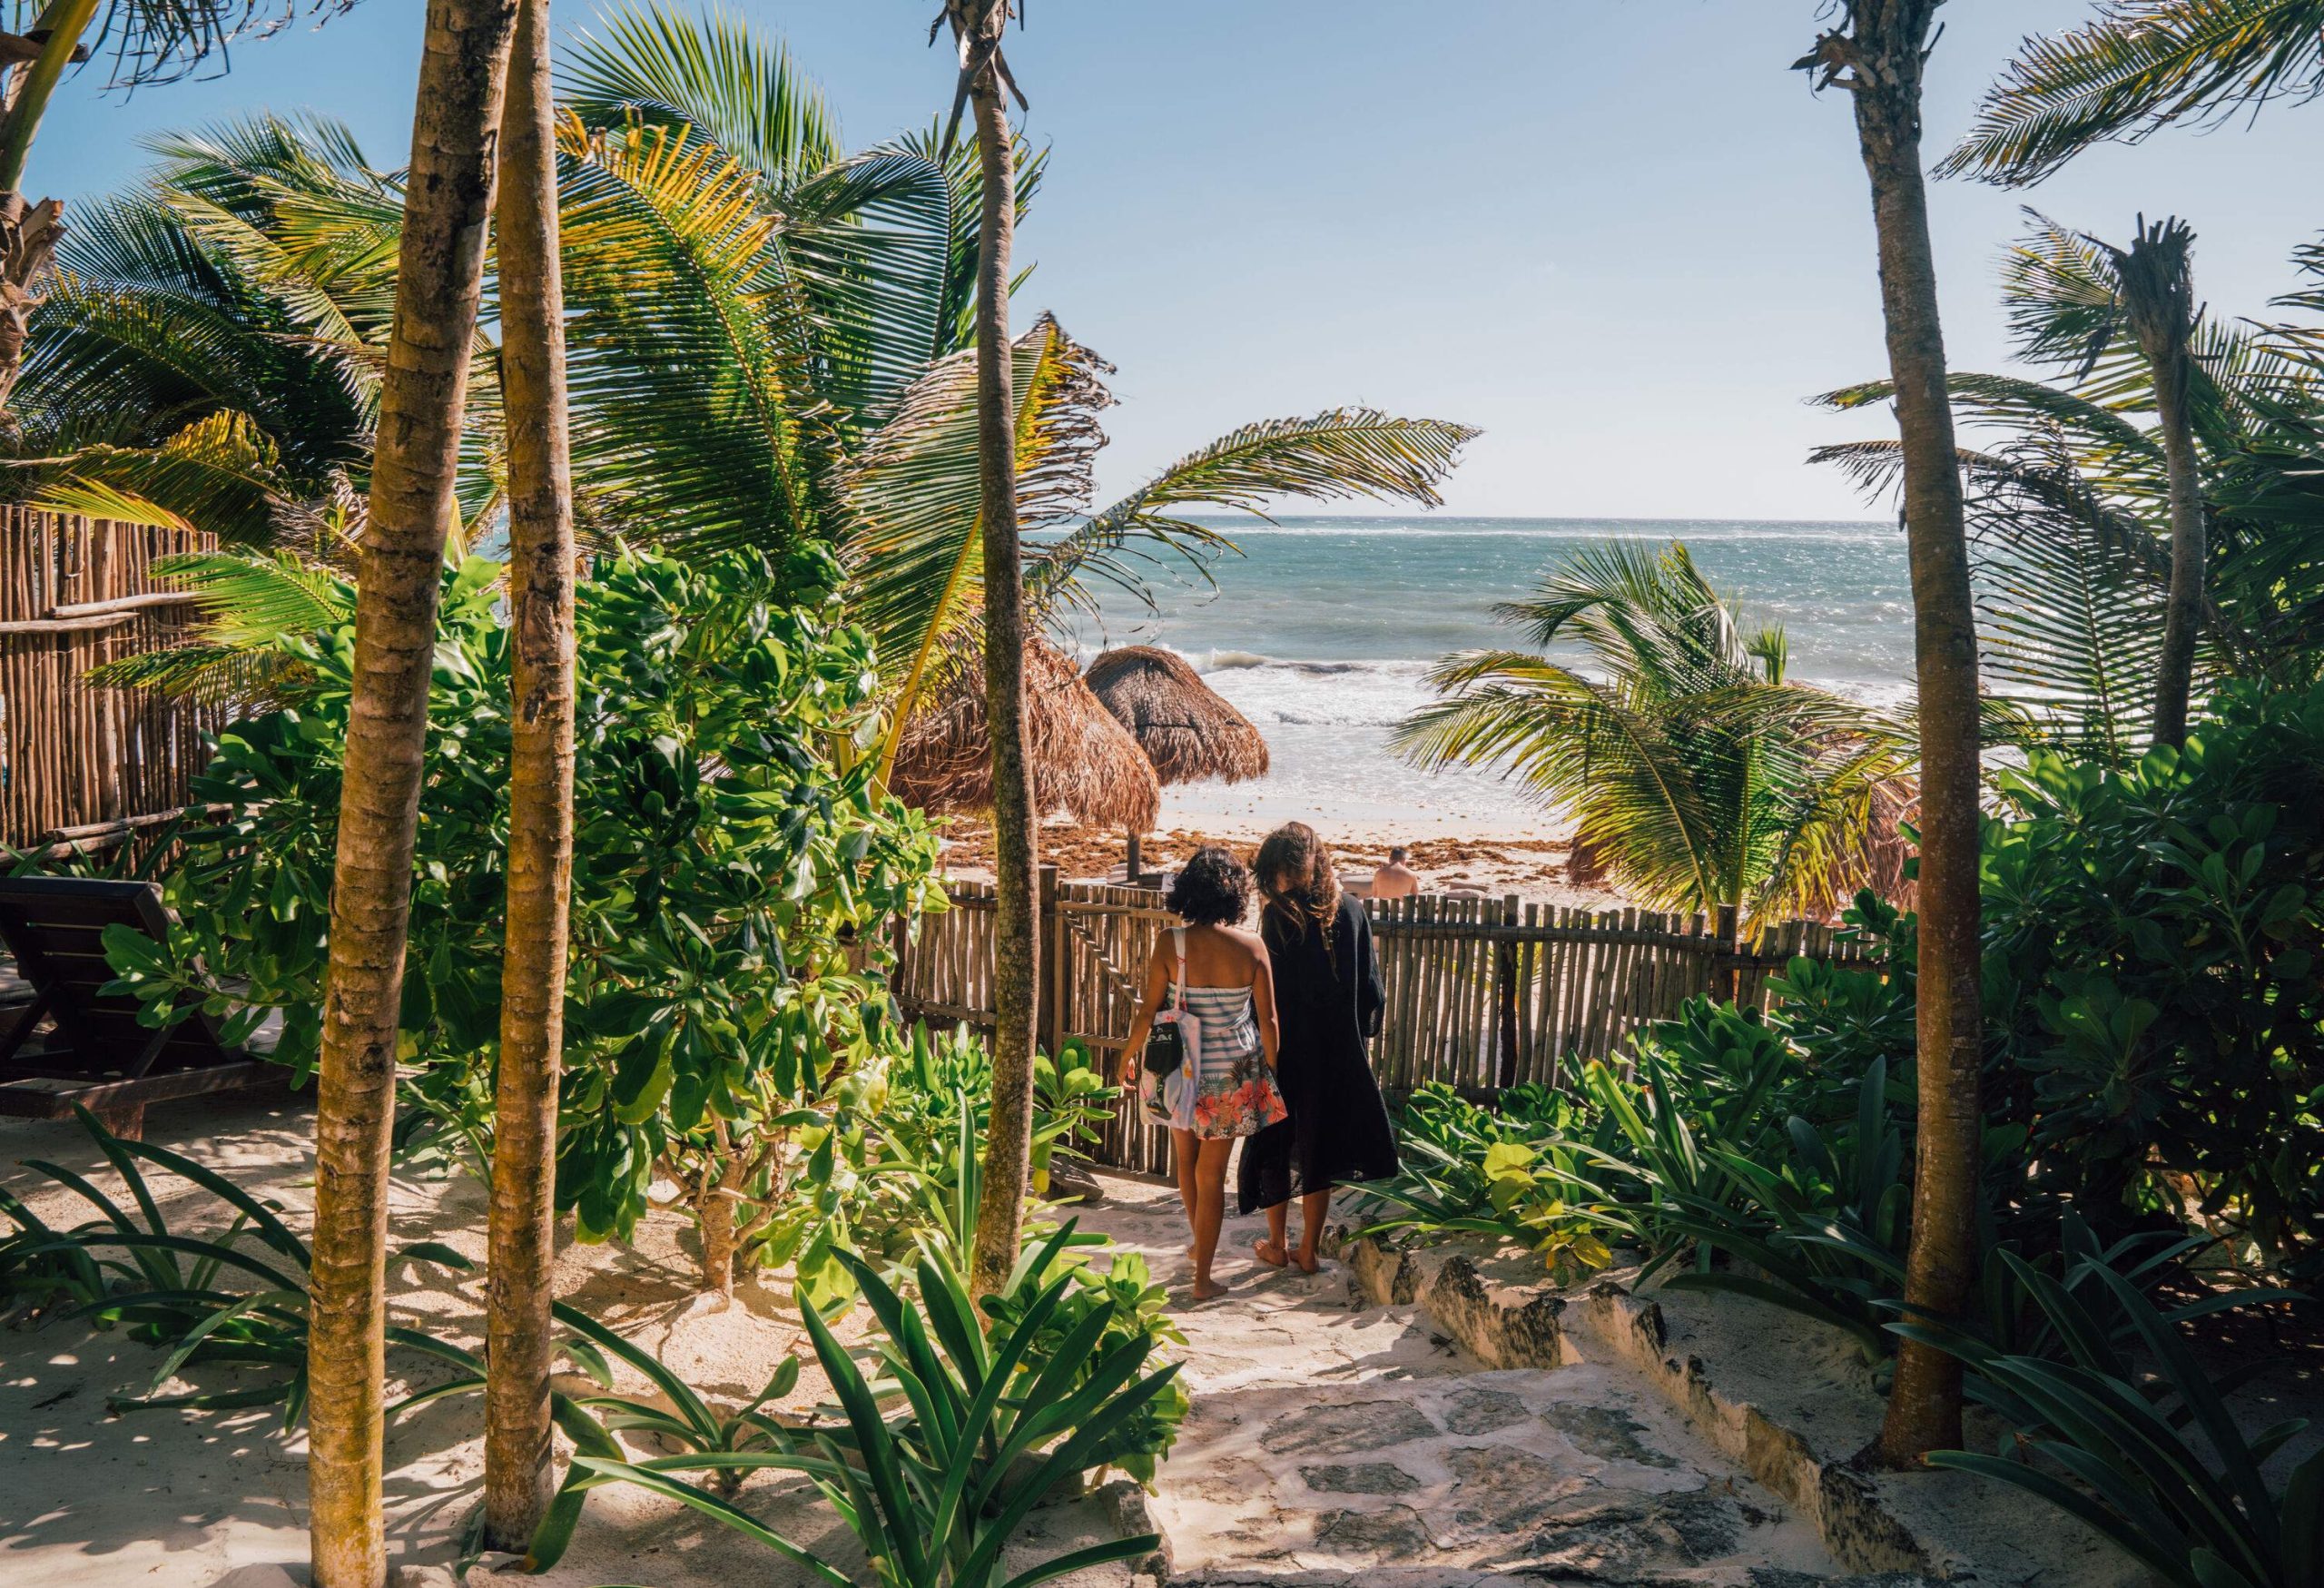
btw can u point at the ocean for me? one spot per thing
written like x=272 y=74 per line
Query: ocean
x=1323 y=630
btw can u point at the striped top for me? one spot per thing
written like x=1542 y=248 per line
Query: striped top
x=1230 y=1030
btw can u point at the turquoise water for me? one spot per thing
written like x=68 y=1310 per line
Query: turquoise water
x=1322 y=631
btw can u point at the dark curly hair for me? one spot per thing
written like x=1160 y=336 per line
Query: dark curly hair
x=1212 y=889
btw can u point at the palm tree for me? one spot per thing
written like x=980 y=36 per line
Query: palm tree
x=2141 y=67
x=910 y=496
x=2150 y=299
x=977 y=29
x=2074 y=499
x=152 y=41
x=1877 y=52
x=439 y=278
x=1701 y=774
x=518 y=1473
x=211 y=346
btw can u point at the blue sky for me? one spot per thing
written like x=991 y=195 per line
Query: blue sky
x=1616 y=234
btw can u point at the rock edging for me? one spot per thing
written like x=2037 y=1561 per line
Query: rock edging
x=1515 y=1325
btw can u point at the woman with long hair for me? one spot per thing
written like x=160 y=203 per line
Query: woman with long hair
x=1327 y=991
x=1214 y=976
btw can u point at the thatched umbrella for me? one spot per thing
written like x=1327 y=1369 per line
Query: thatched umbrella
x=1187 y=728
x=1081 y=760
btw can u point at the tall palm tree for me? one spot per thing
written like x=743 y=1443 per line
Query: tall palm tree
x=439 y=279
x=150 y=41
x=2074 y=498
x=1876 y=51
x=2150 y=301
x=1701 y=774
x=518 y=1473
x=2140 y=67
x=978 y=26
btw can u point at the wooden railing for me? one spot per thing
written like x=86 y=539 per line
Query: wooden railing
x=74 y=593
x=1481 y=994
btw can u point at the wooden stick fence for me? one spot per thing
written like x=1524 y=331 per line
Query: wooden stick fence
x=1481 y=994
x=75 y=593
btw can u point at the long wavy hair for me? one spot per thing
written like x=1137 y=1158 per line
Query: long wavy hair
x=1296 y=873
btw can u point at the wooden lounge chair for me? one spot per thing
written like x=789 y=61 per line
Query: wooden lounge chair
x=93 y=1052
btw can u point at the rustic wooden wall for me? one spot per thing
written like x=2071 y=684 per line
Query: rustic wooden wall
x=74 y=593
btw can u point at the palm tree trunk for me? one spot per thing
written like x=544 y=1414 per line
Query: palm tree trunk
x=29 y=231
x=439 y=275
x=1878 y=53
x=2184 y=611
x=518 y=1471
x=1016 y=924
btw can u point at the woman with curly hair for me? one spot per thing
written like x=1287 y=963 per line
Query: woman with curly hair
x=1215 y=976
x=1327 y=987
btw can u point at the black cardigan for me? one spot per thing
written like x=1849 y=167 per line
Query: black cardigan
x=1328 y=1001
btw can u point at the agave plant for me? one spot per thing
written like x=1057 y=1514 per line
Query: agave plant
x=2156 y=1461
x=983 y=1433
x=1700 y=772
x=201 y=1298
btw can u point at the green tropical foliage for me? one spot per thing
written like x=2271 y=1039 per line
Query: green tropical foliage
x=2138 y=66
x=1694 y=768
x=2122 y=1428
x=984 y=1428
x=2068 y=500
x=766 y=337
x=720 y=1028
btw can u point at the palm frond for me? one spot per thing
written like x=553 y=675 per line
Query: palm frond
x=689 y=400
x=159 y=41
x=2138 y=66
x=1334 y=456
x=221 y=474
x=964 y=174
x=714 y=75
x=1694 y=770
x=914 y=495
x=255 y=611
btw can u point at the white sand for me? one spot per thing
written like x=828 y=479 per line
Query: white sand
x=190 y=1499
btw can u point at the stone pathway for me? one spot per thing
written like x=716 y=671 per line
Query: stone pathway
x=1329 y=1444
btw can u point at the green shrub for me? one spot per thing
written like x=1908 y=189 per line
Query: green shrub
x=2154 y=937
x=735 y=878
x=1507 y=1171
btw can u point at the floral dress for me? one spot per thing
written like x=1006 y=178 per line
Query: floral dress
x=1235 y=1091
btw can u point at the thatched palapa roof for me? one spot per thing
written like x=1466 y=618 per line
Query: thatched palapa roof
x=1188 y=732
x=1083 y=762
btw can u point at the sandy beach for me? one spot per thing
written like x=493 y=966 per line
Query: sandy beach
x=1533 y=862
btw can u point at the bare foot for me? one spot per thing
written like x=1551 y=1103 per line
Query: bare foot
x=1307 y=1261
x=1208 y=1290
x=1269 y=1253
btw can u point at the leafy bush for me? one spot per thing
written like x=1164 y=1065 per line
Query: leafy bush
x=1507 y=1172
x=735 y=875
x=2153 y=938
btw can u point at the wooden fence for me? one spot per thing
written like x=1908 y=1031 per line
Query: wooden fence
x=74 y=593
x=1481 y=993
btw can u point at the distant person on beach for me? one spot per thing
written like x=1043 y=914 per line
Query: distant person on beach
x=1327 y=995
x=1395 y=880
x=1216 y=974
